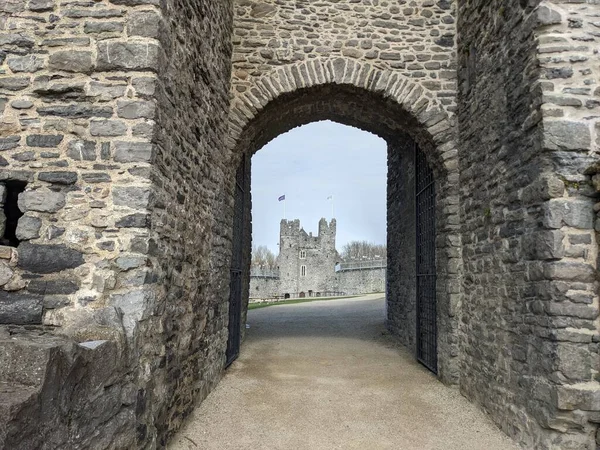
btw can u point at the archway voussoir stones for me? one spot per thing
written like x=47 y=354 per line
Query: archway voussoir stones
x=318 y=70
x=349 y=73
x=414 y=99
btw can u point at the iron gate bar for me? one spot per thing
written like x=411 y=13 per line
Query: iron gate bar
x=425 y=263
x=235 y=285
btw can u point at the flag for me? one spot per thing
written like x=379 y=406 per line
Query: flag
x=281 y=198
x=330 y=197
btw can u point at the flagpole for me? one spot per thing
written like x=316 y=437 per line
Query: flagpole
x=284 y=200
x=332 y=208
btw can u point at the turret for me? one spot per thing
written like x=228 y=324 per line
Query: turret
x=289 y=227
x=327 y=233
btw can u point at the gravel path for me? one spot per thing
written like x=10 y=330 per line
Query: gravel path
x=326 y=375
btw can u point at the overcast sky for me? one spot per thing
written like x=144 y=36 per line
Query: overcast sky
x=307 y=165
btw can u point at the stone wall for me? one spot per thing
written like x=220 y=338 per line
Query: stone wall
x=530 y=306
x=568 y=38
x=127 y=205
x=401 y=242
x=264 y=287
x=183 y=339
x=415 y=40
x=361 y=281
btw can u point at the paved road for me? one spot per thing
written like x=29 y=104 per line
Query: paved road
x=326 y=375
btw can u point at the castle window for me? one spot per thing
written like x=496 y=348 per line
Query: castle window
x=302 y=254
x=303 y=271
x=9 y=196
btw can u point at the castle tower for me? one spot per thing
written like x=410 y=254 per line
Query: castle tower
x=307 y=262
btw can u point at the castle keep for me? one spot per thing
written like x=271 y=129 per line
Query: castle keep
x=305 y=261
x=126 y=134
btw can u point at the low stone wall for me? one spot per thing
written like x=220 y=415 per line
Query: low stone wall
x=361 y=281
x=264 y=287
x=346 y=282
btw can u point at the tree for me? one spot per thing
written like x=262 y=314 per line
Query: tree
x=363 y=250
x=263 y=258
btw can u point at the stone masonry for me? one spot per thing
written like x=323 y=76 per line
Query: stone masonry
x=306 y=262
x=123 y=123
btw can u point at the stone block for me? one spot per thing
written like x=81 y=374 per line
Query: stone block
x=96 y=177
x=76 y=111
x=137 y=197
x=58 y=177
x=127 y=55
x=567 y=135
x=29 y=63
x=103 y=27
x=134 y=305
x=574 y=361
x=133 y=151
x=41 y=200
x=16 y=39
x=10 y=142
x=21 y=104
x=97 y=13
x=571 y=212
x=16 y=83
x=130 y=262
x=544 y=245
x=52 y=287
x=143 y=130
x=82 y=150
x=134 y=221
x=584 y=396
x=106 y=91
x=568 y=309
x=260 y=10
x=144 y=86
x=143 y=23
x=136 y=109
x=135 y=2
x=108 y=128
x=548 y=16
x=567 y=270
x=48 y=258
x=71 y=61
x=6 y=273
x=6 y=252
x=41 y=5
x=28 y=228
x=44 y=140
x=20 y=308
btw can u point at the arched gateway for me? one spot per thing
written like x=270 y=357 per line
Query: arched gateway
x=124 y=228
x=411 y=120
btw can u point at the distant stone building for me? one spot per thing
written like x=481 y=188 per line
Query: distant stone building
x=307 y=262
x=309 y=266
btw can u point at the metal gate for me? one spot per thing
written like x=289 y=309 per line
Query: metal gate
x=426 y=274
x=235 y=295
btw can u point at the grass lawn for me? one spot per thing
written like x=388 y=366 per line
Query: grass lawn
x=296 y=300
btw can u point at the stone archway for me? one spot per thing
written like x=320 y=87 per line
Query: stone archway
x=399 y=110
